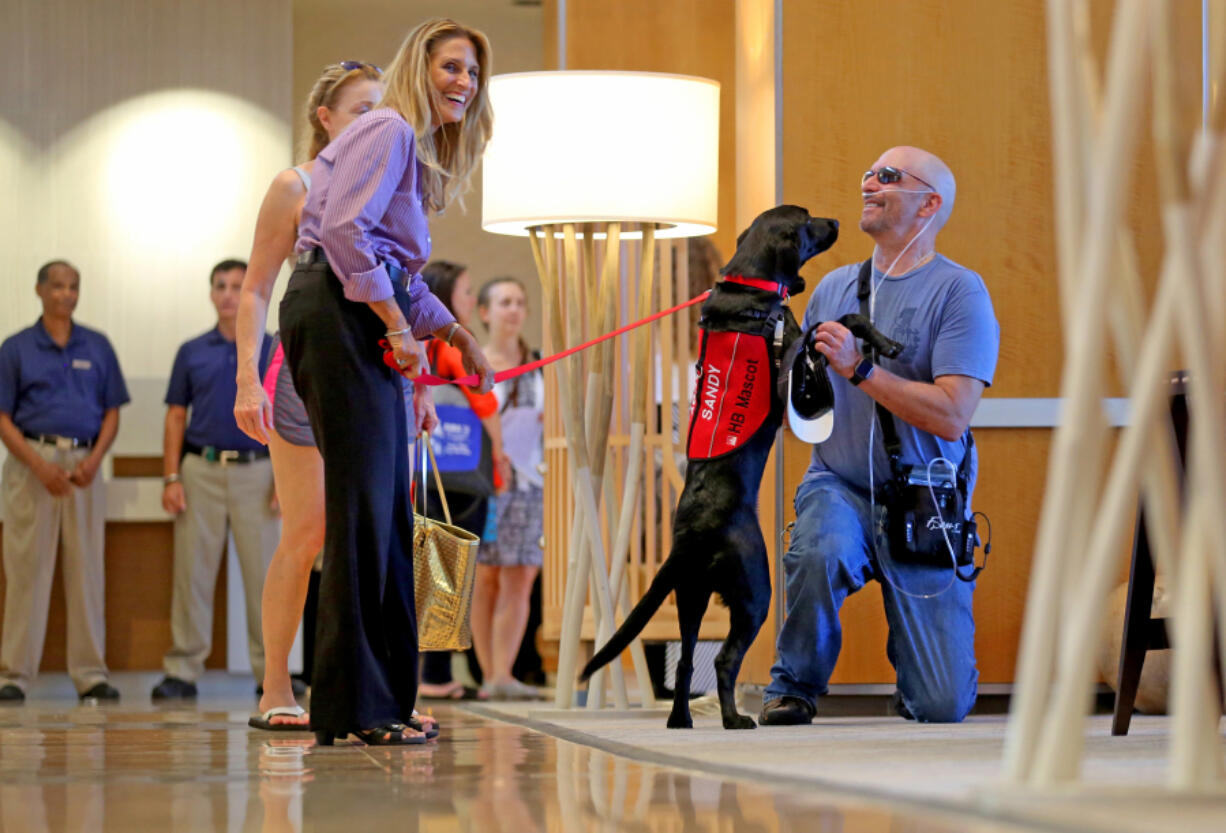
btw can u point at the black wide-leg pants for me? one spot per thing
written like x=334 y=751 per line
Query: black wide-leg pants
x=365 y=665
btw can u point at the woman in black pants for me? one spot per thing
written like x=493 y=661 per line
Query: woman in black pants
x=363 y=240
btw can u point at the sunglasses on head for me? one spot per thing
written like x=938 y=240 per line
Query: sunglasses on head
x=888 y=175
x=350 y=66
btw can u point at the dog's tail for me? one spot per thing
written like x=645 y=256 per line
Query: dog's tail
x=661 y=586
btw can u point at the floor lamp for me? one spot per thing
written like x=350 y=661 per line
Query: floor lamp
x=581 y=162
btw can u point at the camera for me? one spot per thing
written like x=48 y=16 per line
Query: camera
x=926 y=520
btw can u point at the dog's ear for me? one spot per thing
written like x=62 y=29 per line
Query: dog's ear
x=787 y=255
x=740 y=237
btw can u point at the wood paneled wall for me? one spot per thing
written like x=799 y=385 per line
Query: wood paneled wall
x=688 y=37
x=968 y=81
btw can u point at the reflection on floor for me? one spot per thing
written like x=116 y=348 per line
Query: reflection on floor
x=950 y=767
x=141 y=766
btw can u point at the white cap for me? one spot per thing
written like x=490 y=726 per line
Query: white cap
x=814 y=421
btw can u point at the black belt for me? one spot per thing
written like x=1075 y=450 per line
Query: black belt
x=317 y=255
x=59 y=442
x=217 y=455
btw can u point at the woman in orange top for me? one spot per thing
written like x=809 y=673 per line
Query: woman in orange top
x=449 y=282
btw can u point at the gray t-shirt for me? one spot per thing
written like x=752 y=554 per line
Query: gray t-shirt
x=942 y=313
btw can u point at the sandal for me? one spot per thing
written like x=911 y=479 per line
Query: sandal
x=514 y=690
x=390 y=735
x=264 y=721
x=425 y=724
x=459 y=691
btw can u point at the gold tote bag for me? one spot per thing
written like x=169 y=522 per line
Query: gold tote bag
x=444 y=565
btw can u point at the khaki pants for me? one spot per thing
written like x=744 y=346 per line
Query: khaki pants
x=35 y=524
x=220 y=498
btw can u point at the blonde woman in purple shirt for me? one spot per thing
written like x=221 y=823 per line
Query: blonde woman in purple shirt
x=362 y=242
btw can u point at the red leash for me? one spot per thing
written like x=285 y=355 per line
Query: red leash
x=471 y=380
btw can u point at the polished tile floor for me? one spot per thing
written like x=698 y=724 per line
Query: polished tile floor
x=137 y=766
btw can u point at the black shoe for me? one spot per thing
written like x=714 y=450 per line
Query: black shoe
x=12 y=694
x=297 y=686
x=787 y=711
x=900 y=708
x=102 y=691
x=172 y=688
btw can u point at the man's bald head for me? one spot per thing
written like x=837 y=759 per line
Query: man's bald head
x=54 y=267
x=928 y=167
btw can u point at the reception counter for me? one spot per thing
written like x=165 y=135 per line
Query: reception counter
x=140 y=555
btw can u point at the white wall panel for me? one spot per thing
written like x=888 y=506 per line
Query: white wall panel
x=137 y=138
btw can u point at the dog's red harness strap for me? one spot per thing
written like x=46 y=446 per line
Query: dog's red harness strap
x=731 y=396
x=758 y=283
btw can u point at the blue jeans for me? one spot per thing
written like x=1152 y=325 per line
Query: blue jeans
x=931 y=641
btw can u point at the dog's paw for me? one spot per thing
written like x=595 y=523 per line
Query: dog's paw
x=740 y=721
x=680 y=721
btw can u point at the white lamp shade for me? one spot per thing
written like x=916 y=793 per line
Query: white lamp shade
x=579 y=147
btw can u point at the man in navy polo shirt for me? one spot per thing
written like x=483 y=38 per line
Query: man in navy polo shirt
x=60 y=392
x=217 y=479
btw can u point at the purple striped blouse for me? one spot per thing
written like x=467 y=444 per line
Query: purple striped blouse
x=365 y=209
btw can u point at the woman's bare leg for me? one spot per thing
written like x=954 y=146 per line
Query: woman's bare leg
x=485 y=594
x=299 y=474
x=510 y=619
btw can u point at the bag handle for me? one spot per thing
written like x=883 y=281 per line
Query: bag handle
x=428 y=449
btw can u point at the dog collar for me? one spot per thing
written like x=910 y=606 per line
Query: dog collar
x=758 y=283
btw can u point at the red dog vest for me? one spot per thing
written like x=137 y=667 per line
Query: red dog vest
x=732 y=396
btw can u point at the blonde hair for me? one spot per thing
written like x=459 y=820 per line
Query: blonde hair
x=450 y=153
x=325 y=93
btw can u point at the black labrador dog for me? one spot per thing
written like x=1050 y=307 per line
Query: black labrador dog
x=717 y=539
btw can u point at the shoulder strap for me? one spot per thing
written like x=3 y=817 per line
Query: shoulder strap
x=889 y=432
x=304 y=176
x=513 y=395
x=964 y=470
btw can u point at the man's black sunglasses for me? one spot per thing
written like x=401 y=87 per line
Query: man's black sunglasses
x=888 y=175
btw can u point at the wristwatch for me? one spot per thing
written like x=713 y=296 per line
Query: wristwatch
x=863 y=370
